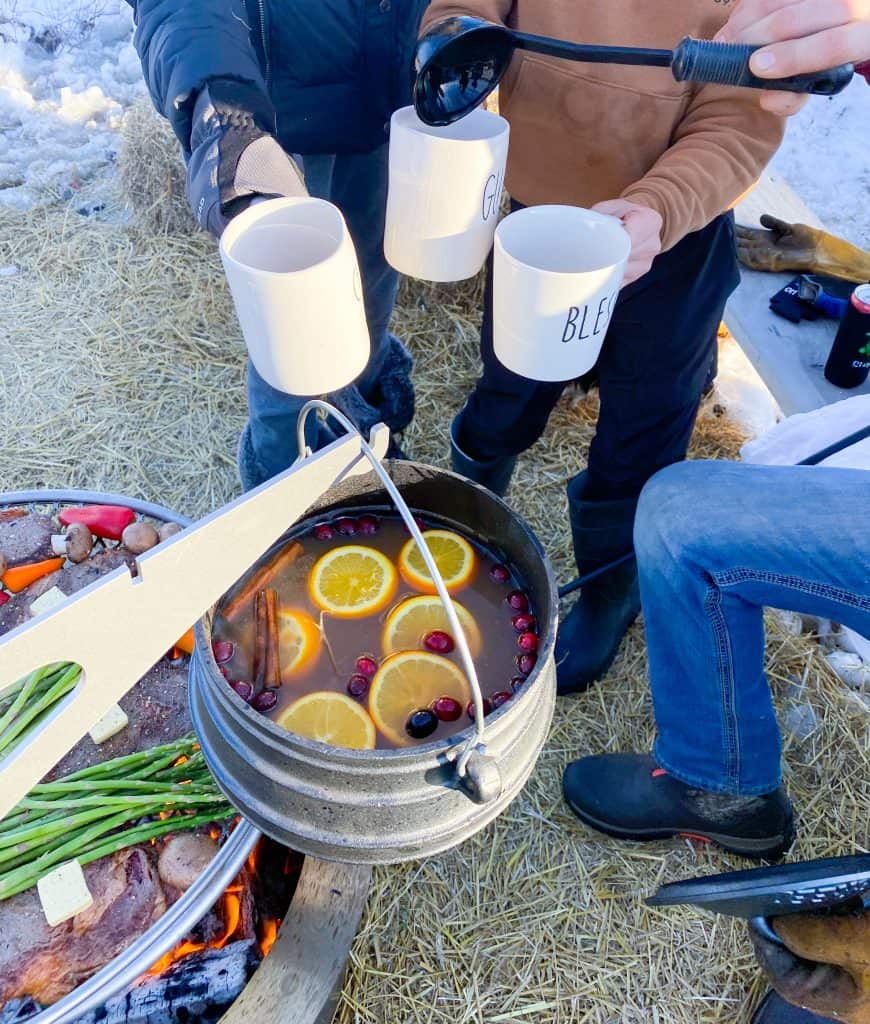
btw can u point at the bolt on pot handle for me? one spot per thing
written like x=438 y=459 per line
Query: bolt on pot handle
x=478 y=775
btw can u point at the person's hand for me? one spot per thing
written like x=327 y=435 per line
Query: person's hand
x=644 y=227
x=233 y=159
x=806 y=36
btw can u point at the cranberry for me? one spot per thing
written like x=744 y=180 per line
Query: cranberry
x=447 y=709
x=528 y=642
x=225 y=672
x=438 y=642
x=487 y=708
x=265 y=701
x=526 y=663
x=518 y=601
x=323 y=531
x=243 y=689
x=421 y=723
x=368 y=526
x=517 y=682
x=502 y=697
x=500 y=574
x=223 y=650
x=421 y=526
x=358 y=685
x=346 y=527
x=366 y=666
x=524 y=623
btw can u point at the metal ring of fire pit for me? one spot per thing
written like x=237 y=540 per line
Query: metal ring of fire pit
x=165 y=934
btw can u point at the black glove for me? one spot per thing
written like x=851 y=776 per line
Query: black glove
x=233 y=156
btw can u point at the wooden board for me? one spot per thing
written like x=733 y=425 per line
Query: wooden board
x=789 y=357
x=299 y=981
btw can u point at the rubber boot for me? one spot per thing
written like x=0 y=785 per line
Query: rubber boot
x=628 y=796
x=775 y=1010
x=494 y=474
x=590 y=635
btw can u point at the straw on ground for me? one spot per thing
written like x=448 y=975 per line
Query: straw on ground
x=121 y=368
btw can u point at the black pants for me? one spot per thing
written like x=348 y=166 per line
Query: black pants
x=653 y=367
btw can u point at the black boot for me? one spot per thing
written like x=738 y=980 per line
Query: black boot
x=494 y=474
x=590 y=635
x=629 y=797
x=775 y=1010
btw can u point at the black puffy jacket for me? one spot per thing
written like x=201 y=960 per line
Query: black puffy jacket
x=330 y=72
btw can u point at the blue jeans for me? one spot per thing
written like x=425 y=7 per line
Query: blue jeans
x=357 y=184
x=716 y=542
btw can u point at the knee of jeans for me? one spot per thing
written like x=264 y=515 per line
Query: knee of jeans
x=676 y=514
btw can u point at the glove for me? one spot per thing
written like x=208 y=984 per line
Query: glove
x=798 y=247
x=233 y=157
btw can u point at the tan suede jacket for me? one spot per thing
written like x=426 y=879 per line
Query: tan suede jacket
x=583 y=133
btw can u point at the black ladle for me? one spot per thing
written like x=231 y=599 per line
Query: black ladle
x=460 y=61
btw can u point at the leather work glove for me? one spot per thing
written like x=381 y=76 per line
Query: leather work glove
x=798 y=247
x=233 y=156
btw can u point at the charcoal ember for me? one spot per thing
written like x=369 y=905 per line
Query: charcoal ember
x=27 y=538
x=46 y=963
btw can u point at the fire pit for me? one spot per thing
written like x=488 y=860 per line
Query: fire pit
x=193 y=961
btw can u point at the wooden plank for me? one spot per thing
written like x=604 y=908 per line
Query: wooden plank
x=789 y=357
x=299 y=981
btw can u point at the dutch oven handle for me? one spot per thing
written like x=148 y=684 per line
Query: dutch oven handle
x=477 y=775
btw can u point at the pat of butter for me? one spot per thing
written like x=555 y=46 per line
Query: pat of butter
x=45 y=602
x=64 y=893
x=112 y=722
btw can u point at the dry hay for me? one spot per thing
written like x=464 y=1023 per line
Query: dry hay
x=152 y=172
x=121 y=369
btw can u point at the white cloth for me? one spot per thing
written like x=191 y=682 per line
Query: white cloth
x=798 y=437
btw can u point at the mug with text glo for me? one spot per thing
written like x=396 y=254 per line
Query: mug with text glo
x=444 y=194
x=292 y=270
x=558 y=272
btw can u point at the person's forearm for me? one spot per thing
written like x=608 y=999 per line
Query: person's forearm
x=183 y=46
x=719 y=151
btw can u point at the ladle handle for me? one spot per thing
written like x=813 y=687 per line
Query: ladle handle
x=700 y=60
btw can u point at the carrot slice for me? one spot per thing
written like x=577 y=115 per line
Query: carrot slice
x=20 y=576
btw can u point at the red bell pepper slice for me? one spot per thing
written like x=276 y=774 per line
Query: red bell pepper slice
x=108 y=521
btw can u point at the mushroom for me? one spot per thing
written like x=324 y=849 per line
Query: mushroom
x=75 y=544
x=184 y=858
x=168 y=530
x=139 y=537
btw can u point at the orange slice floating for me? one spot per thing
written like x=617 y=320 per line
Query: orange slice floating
x=298 y=642
x=353 y=581
x=408 y=681
x=411 y=620
x=453 y=555
x=330 y=718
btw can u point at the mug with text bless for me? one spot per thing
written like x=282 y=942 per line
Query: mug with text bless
x=558 y=272
x=292 y=270
x=444 y=194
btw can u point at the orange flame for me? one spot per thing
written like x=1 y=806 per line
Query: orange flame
x=270 y=933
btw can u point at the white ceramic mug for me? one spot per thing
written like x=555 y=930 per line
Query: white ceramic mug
x=292 y=270
x=558 y=272
x=444 y=194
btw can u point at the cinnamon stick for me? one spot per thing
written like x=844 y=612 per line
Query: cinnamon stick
x=260 y=641
x=273 y=665
x=260 y=580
